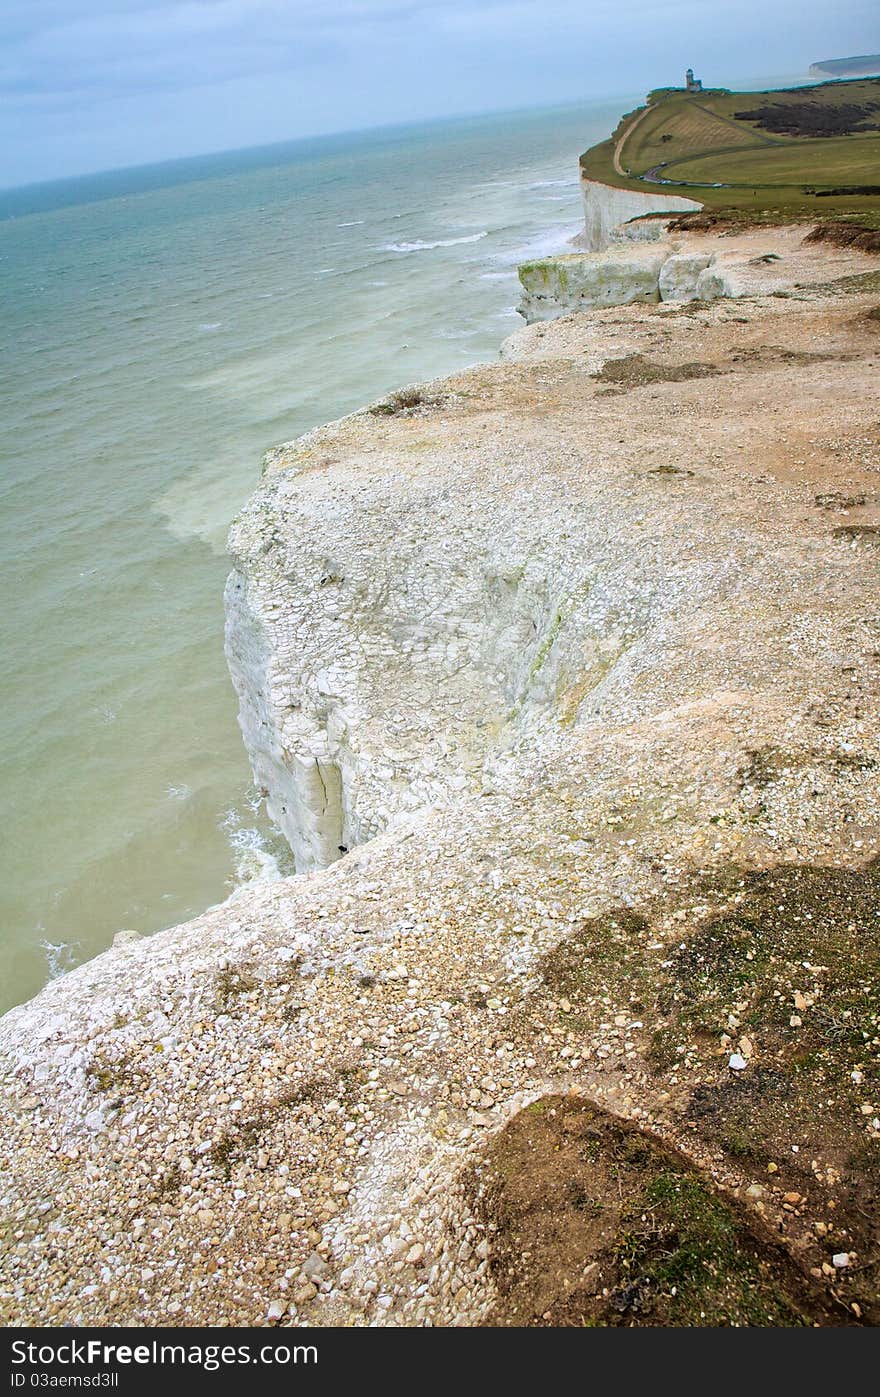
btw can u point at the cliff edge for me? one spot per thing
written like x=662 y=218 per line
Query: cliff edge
x=562 y=678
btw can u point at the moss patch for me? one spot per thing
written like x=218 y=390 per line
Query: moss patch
x=231 y=983
x=111 y=1075
x=234 y=1146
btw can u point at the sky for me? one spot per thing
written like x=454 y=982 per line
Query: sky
x=90 y=85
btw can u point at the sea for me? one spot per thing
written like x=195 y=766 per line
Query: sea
x=162 y=327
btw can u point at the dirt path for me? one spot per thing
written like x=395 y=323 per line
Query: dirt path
x=618 y=147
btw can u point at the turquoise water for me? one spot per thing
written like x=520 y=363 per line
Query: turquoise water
x=161 y=328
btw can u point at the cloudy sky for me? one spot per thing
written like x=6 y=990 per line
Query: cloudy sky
x=98 y=84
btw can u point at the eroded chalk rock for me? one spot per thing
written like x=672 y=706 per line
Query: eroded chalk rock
x=618 y=276
x=680 y=274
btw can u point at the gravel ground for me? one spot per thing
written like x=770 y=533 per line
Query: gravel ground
x=601 y=647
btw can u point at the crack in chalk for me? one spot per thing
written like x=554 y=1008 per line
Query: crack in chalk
x=323 y=787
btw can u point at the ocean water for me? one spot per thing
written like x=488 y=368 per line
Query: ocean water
x=160 y=329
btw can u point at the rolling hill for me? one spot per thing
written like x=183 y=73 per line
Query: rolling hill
x=804 y=149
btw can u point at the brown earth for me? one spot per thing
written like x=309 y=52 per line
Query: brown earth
x=596 y=1222
x=845 y=235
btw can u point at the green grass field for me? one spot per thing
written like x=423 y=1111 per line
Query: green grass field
x=794 y=147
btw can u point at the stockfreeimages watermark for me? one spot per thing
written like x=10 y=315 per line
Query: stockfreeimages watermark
x=30 y=1360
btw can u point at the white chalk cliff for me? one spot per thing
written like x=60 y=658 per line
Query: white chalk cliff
x=607 y=209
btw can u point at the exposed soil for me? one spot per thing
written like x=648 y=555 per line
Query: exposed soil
x=845 y=235
x=726 y=221
x=837 y=500
x=762 y=354
x=595 y=1222
x=636 y=371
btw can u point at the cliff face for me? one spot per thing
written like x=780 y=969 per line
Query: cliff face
x=376 y=658
x=576 y=655
x=606 y=208
x=387 y=648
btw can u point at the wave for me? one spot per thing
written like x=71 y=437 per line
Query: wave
x=450 y=334
x=60 y=957
x=253 y=859
x=553 y=240
x=428 y=247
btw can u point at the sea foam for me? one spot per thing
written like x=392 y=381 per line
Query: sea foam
x=428 y=247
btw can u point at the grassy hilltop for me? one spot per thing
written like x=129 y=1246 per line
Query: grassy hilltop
x=797 y=151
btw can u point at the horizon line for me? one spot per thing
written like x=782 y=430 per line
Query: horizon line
x=336 y=133
x=268 y=146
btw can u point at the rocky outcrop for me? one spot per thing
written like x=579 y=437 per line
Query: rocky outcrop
x=554 y=286
x=606 y=208
x=687 y=267
x=580 y=663
x=626 y=272
x=678 y=279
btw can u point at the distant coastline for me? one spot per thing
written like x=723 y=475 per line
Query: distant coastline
x=863 y=65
